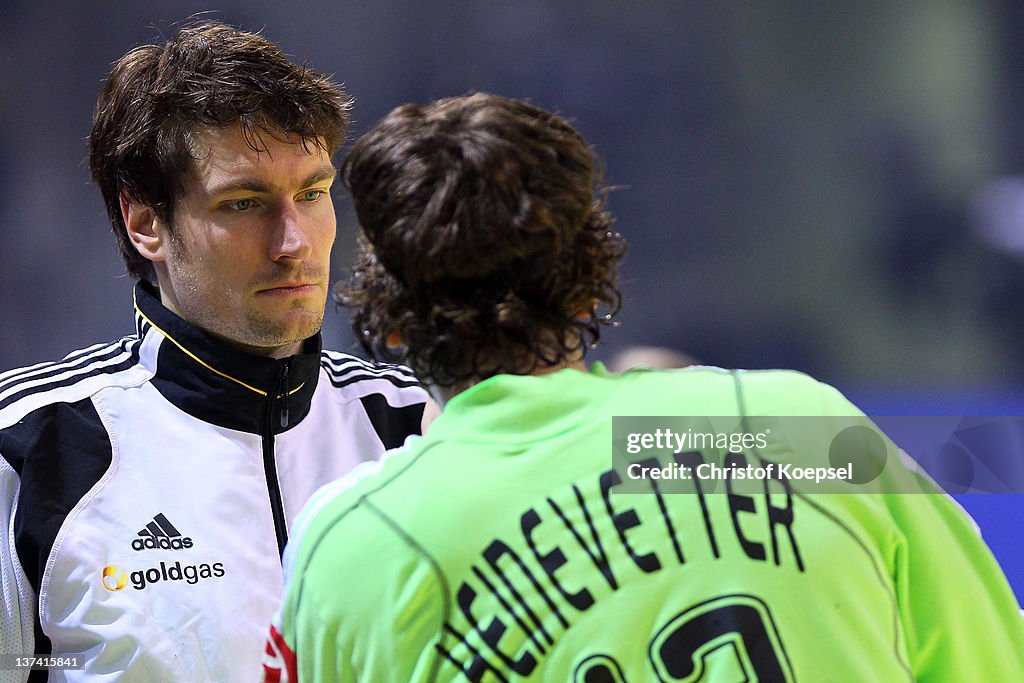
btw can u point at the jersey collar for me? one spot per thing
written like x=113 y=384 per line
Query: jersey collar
x=218 y=383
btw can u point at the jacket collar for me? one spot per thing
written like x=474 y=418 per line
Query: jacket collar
x=220 y=384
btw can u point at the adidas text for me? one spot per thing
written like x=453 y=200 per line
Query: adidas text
x=153 y=543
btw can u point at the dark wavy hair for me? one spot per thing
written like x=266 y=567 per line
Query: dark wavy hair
x=485 y=242
x=208 y=75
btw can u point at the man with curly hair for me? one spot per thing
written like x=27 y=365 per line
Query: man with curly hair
x=510 y=544
x=147 y=485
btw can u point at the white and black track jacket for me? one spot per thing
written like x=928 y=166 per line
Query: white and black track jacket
x=146 y=488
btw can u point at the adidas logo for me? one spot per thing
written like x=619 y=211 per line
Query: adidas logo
x=161 y=534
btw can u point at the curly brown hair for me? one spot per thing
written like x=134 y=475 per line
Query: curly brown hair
x=485 y=245
x=208 y=75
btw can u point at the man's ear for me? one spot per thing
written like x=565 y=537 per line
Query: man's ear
x=394 y=340
x=143 y=228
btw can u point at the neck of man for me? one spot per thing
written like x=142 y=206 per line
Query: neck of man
x=276 y=352
x=444 y=394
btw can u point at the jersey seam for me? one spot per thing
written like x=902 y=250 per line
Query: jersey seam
x=435 y=567
x=353 y=506
x=62 y=533
x=16 y=565
x=741 y=407
x=362 y=501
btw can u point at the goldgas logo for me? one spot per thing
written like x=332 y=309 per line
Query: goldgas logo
x=114 y=578
x=161 y=534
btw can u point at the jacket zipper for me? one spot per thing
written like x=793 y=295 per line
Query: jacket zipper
x=277 y=399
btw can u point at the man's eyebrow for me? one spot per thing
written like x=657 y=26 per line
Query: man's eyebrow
x=325 y=173
x=260 y=187
x=245 y=184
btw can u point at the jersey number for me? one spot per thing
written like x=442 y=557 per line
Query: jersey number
x=732 y=634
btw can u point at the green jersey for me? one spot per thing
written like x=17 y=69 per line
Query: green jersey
x=496 y=548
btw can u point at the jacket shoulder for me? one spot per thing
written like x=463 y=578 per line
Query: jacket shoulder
x=77 y=376
x=359 y=377
x=790 y=392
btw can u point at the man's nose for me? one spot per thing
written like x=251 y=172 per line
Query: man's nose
x=291 y=236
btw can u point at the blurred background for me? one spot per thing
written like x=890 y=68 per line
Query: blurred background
x=832 y=187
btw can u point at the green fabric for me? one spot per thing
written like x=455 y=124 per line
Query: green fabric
x=490 y=550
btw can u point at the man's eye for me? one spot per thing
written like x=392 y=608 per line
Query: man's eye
x=312 y=195
x=243 y=204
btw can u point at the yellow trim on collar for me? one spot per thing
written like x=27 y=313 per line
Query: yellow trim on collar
x=200 y=360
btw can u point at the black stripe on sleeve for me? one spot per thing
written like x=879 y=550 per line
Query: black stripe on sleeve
x=353 y=379
x=392 y=424
x=60 y=452
x=344 y=369
x=120 y=359
x=39 y=374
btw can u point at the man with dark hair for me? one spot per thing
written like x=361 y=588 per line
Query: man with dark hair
x=505 y=545
x=147 y=485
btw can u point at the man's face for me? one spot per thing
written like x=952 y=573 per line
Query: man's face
x=249 y=256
